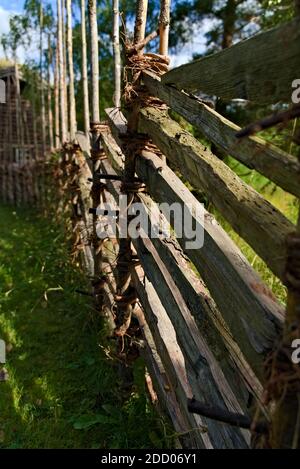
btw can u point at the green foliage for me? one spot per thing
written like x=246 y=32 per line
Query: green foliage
x=275 y=12
x=63 y=389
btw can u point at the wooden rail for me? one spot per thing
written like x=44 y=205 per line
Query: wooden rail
x=260 y=69
x=252 y=217
x=278 y=166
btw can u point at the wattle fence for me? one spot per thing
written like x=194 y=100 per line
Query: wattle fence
x=202 y=317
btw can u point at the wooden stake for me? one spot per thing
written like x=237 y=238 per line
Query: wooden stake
x=49 y=97
x=164 y=26
x=64 y=46
x=124 y=286
x=284 y=394
x=86 y=108
x=61 y=74
x=56 y=98
x=43 y=112
x=71 y=73
x=92 y=8
x=140 y=22
x=117 y=54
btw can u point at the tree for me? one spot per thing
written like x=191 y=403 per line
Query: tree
x=117 y=53
x=86 y=108
x=43 y=111
x=62 y=94
x=71 y=72
x=92 y=9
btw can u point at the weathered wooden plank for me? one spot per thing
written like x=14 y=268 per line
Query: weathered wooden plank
x=205 y=312
x=172 y=358
x=167 y=400
x=204 y=375
x=251 y=216
x=85 y=203
x=249 y=308
x=196 y=296
x=260 y=69
x=84 y=143
x=247 y=305
x=254 y=152
x=167 y=396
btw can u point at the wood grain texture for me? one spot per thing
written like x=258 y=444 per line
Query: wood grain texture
x=249 y=308
x=163 y=385
x=260 y=69
x=205 y=312
x=250 y=215
x=203 y=373
x=171 y=356
x=280 y=167
x=195 y=294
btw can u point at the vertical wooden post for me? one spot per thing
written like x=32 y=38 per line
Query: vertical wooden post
x=64 y=46
x=86 y=107
x=19 y=144
x=117 y=54
x=71 y=73
x=61 y=74
x=125 y=291
x=50 y=115
x=10 y=183
x=36 y=153
x=283 y=387
x=164 y=26
x=56 y=97
x=43 y=113
x=92 y=8
x=96 y=152
x=140 y=22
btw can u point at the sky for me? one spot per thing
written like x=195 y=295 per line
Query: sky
x=8 y=7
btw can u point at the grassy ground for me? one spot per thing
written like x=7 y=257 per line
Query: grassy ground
x=63 y=389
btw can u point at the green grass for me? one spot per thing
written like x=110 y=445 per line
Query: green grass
x=63 y=389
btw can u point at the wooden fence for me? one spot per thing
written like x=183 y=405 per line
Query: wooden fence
x=206 y=319
x=22 y=149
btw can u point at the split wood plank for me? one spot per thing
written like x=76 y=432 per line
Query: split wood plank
x=204 y=374
x=172 y=358
x=251 y=216
x=260 y=69
x=197 y=297
x=254 y=152
x=249 y=308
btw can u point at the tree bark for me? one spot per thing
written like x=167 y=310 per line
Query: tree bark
x=92 y=8
x=61 y=73
x=140 y=22
x=164 y=26
x=56 y=98
x=50 y=115
x=117 y=54
x=71 y=73
x=43 y=111
x=86 y=108
x=64 y=45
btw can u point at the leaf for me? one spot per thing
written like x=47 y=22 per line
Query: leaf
x=87 y=421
